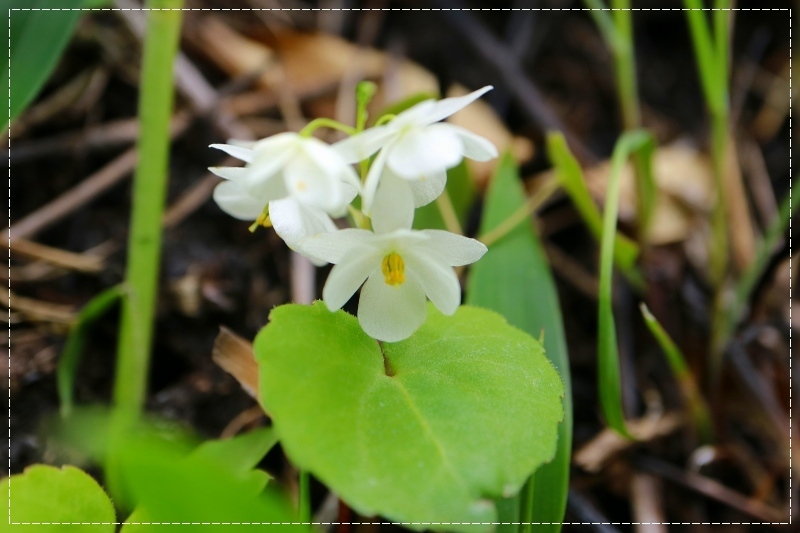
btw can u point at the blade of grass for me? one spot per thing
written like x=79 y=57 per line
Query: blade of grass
x=607 y=354
x=600 y=13
x=677 y=363
x=514 y=279
x=617 y=30
x=149 y=192
x=569 y=173
x=76 y=341
x=750 y=277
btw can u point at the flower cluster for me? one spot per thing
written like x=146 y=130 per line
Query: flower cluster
x=298 y=184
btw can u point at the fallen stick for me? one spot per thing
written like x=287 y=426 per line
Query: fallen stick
x=86 y=191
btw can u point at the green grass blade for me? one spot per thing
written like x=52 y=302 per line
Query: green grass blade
x=750 y=277
x=607 y=355
x=705 y=52
x=37 y=40
x=569 y=173
x=677 y=363
x=514 y=279
x=600 y=13
x=646 y=188
x=76 y=341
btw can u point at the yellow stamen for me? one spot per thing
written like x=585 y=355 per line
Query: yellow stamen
x=262 y=220
x=394 y=270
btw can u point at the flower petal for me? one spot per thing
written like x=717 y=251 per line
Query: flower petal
x=242 y=143
x=334 y=247
x=277 y=143
x=454 y=249
x=448 y=106
x=348 y=175
x=294 y=222
x=245 y=154
x=362 y=145
x=391 y=313
x=270 y=155
x=229 y=173
x=475 y=147
x=237 y=201
x=414 y=115
x=393 y=207
x=312 y=184
x=437 y=279
x=346 y=277
x=323 y=155
x=427 y=188
x=421 y=152
x=372 y=180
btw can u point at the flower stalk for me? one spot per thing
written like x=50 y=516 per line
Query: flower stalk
x=149 y=193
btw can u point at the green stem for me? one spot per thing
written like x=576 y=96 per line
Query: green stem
x=325 y=122
x=448 y=212
x=384 y=119
x=365 y=90
x=525 y=211
x=149 y=192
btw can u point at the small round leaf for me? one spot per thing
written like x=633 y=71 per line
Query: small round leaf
x=57 y=499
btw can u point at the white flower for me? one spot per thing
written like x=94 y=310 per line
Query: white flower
x=287 y=164
x=302 y=180
x=292 y=220
x=400 y=266
x=414 y=147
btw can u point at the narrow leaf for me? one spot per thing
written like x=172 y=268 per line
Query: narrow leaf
x=37 y=39
x=76 y=342
x=607 y=355
x=514 y=279
x=570 y=174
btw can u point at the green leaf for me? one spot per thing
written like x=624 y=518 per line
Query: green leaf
x=677 y=363
x=514 y=279
x=608 y=374
x=48 y=494
x=239 y=455
x=169 y=486
x=76 y=342
x=37 y=40
x=462 y=193
x=423 y=430
x=570 y=175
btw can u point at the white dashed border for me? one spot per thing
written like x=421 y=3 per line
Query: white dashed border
x=401 y=523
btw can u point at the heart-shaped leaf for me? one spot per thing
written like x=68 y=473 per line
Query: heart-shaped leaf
x=426 y=430
x=57 y=499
